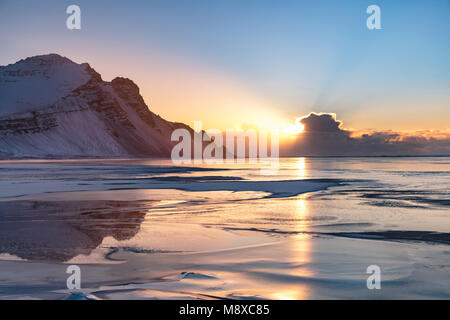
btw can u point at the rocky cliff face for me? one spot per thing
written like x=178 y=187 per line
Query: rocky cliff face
x=52 y=107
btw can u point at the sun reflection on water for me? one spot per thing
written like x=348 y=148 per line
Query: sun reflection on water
x=300 y=245
x=301 y=168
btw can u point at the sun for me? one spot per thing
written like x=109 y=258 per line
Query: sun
x=295 y=129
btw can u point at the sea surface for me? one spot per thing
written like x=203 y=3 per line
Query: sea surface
x=308 y=228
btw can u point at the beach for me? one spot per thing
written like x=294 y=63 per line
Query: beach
x=146 y=229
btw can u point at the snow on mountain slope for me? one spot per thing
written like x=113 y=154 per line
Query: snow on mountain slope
x=52 y=107
x=37 y=82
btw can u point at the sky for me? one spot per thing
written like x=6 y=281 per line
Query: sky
x=235 y=62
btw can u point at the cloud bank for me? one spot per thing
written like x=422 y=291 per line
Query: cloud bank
x=323 y=136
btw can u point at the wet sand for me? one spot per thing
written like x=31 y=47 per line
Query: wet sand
x=313 y=239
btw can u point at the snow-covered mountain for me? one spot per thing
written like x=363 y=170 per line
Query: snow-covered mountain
x=52 y=107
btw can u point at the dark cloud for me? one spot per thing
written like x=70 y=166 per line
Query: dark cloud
x=323 y=136
x=320 y=122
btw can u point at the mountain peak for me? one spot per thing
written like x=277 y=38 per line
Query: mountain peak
x=39 y=81
x=46 y=59
x=125 y=84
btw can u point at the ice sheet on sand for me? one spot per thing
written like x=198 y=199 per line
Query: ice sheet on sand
x=276 y=189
